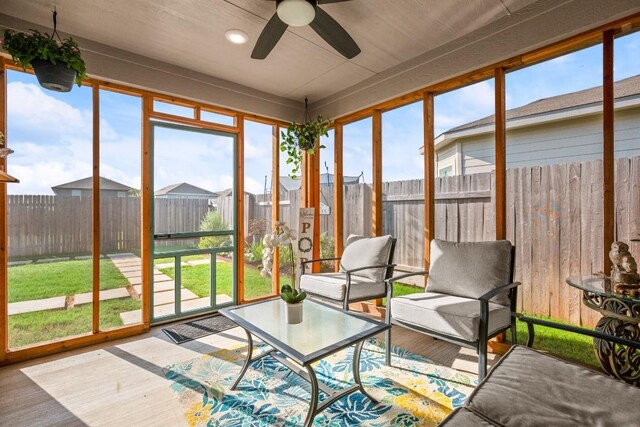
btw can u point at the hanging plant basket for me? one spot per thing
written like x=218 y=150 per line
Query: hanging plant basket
x=56 y=63
x=303 y=137
x=57 y=77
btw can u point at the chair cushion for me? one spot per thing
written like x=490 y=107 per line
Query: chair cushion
x=448 y=314
x=462 y=417
x=527 y=388
x=361 y=251
x=470 y=269
x=334 y=285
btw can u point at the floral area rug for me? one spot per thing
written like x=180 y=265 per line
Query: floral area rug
x=414 y=392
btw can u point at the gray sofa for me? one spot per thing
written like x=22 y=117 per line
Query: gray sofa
x=527 y=388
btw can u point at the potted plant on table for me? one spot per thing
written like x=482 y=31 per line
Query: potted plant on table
x=303 y=137
x=56 y=63
x=293 y=300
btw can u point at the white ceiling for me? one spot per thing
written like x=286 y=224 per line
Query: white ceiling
x=190 y=33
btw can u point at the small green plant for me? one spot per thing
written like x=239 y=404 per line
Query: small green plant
x=291 y=295
x=213 y=221
x=255 y=251
x=25 y=47
x=301 y=137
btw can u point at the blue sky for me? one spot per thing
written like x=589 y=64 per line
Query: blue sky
x=51 y=132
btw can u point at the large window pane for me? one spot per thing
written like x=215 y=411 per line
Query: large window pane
x=627 y=139
x=290 y=189
x=554 y=180
x=258 y=149
x=357 y=157
x=120 y=183
x=327 y=188
x=49 y=211
x=465 y=163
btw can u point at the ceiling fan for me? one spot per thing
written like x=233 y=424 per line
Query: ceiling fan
x=298 y=13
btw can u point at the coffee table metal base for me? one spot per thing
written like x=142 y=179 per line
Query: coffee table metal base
x=306 y=372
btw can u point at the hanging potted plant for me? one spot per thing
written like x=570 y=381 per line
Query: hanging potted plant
x=303 y=137
x=56 y=63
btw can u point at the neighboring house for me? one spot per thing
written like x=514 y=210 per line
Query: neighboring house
x=560 y=129
x=184 y=190
x=289 y=184
x=83 y=188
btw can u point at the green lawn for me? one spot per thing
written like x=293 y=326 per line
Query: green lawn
x=567 y=345
x=196 y=279
x=40 y=326
x=160 y=249
x=37 y=281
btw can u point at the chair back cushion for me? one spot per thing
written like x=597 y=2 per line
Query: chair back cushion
x=470 y=269
x=361 y=251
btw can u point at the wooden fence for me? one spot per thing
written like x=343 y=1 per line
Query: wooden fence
x=554 y=216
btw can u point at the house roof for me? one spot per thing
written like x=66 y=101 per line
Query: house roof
x=622 y=89
x=183 y=188
x=106 y=184
x=291 y=184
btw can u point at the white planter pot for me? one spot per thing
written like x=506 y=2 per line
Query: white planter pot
x=293 y=313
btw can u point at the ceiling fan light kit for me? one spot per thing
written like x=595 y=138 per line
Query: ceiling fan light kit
x=298 y=13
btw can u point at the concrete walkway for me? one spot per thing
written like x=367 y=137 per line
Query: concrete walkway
x=130 y=267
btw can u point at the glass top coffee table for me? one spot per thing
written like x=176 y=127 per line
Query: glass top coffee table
x=324 y=330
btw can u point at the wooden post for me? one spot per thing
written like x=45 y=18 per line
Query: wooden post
x=501 y=155
x=338 y=193
x=96 y=209
x=4 y=290
x=376 y=147
x=240 y=210
x=315 y=197
x=608 y=182
x=275 y=203
x=429 y=177
x=146 y=221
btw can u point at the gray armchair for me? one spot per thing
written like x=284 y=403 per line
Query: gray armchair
x=469 y=298
x=365 y=264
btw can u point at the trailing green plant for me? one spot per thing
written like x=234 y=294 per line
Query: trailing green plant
x=213 y=221
x=301 y=137
x=290 y=295
x=25 y=47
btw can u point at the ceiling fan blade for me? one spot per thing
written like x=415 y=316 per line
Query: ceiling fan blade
x=334 y=34
x=269 y=37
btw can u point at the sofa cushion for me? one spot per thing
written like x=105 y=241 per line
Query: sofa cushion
x=470 y=269
x=334 y=285
x=361 y=251
x=448 y=314
x=462 y=417
x=527 y=388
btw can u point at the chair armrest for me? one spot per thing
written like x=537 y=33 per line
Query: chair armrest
x=319 y=260
x=493 y=292
x=349 y=272
x=404 y=276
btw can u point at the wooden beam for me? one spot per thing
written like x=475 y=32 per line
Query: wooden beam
x=275 y=203
x=4 y=290
x=95 y=220
x=53 y=347
x=376 y=147
x=315 y=197
x=194 y=122
x=146 y=220
x=608 y=181
x=429 y=177
x=240 y=209
x=338 y=192
x=501 y=155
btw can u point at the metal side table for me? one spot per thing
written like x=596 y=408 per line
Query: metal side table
x=621 y=318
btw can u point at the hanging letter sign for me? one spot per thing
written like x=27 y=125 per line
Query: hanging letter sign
x=305 y=237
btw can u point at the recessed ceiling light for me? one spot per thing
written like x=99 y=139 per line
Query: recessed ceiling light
x=236 y=36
